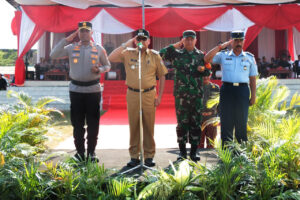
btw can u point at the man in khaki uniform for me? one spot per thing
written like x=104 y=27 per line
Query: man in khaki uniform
x=151 y=66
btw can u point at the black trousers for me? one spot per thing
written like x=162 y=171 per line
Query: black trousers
x=85 y=107
x=234 y=106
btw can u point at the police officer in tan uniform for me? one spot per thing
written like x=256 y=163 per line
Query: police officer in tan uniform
x=87 y=60
x=151 y=66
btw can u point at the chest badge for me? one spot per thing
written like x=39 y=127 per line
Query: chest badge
x=132 y=67
x=245 y=68
x=75 y=60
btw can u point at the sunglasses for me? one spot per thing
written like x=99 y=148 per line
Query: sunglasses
x=141 y=39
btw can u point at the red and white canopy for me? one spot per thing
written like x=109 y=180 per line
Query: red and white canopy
x=32 y=21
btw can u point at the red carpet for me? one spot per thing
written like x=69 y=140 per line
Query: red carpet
x=114 y=102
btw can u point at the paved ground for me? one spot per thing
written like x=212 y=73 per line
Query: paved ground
x=113 y=143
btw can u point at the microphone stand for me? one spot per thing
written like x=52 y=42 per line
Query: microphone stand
x=141 y=166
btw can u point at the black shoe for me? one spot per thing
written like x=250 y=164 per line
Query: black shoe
x=195 y=158
x=133 y=162
x=79 y=157
x=181 y=156
x=149 y=162
x=193 y=153
x=93 y=158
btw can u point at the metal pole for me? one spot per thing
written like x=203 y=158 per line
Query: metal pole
x=143 y=14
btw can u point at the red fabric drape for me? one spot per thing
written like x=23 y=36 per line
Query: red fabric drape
x=20 y=66
x=157 y=20
x=272 y=16
x=184 y=19
x=36 y=34
x=201 y=16
x=132 y=17
x=16 y=22
x=291 y=43
x=251 y=34
x=59 y=19
x=280 y=43
x=253 y=47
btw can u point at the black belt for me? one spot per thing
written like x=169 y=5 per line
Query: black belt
x=235 y=84
x=143 y=90
x=89 y=83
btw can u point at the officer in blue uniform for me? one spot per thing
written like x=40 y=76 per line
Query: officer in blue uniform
x=239 y=71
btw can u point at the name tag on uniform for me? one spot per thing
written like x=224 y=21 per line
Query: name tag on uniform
x=228 y=58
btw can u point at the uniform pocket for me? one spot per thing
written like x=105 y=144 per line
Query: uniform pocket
x=245 y=66
x=228 y=65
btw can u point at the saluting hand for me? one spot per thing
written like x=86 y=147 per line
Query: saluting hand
x=71 y=37
x=95 y=69
x=129 y=43
x=225 y=44
x=178 y=44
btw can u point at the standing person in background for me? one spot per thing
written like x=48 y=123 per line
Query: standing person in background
x=210 y=131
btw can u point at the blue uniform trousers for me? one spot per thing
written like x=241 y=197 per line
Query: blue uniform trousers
x=234 y=106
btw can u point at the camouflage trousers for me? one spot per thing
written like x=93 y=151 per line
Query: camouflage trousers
x=189 y=119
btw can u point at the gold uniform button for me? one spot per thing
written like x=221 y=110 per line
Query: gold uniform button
x=75 y=60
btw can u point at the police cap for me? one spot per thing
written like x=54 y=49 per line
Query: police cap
x=237 y=35
x=85 y=25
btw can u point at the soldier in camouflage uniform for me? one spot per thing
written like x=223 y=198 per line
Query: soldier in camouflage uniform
x=188 y=91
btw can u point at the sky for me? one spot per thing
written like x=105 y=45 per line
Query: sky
x=7 y=39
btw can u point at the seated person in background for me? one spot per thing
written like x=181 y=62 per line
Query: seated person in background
x=37 y=71
x=273 y=63
x=283 y=62
x=296 y=67
x=258 y=62
x=3 y=83
x=264 y=67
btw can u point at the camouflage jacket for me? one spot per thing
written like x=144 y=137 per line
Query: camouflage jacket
x=210 y=90
x=188 y=80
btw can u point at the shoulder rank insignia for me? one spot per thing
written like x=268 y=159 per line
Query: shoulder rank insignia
x=250 y=54
x=154 y=51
